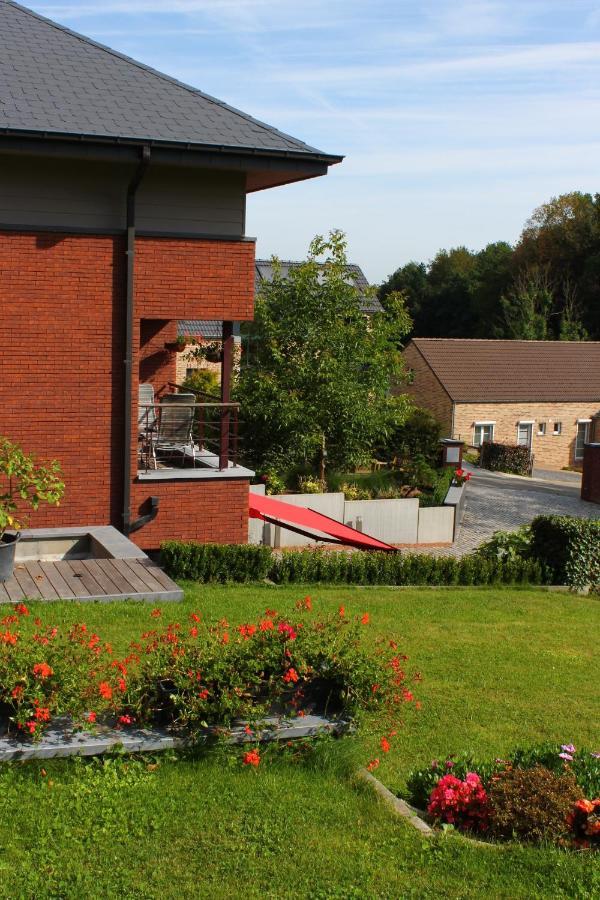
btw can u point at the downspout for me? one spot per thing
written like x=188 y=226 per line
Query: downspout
x=129 y=299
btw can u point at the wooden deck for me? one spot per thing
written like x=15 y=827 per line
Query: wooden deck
x=89 y=579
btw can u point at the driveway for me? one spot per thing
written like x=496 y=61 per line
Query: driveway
x=498 y=502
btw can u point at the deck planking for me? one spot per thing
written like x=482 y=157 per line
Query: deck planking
x=89 y=579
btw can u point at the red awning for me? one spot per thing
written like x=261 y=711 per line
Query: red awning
x=310 y=523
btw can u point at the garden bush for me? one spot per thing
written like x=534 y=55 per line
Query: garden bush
x=187 y=677
x=569 y=548
x=460 y=803
x=241 y=563
x=532 y=804
x=513 y=459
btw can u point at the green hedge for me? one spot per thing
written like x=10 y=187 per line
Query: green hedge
x=216 y=562
x=569 y=548
x=510 y=458
x=240 y=563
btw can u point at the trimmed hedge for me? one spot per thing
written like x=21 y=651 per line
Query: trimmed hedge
x=241 y=563
x=510 y=458
x=569 y=549
x=216 y=562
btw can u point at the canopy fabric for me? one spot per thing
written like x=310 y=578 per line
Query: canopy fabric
x=310 y=523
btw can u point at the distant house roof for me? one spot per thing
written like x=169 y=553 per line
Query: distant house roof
x=264 y=272
x=204 y=329
x=59 y=83
x=479 y=371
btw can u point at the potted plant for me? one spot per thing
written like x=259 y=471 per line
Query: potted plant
x=178 y=345
x=213 y=352
x=24 y=482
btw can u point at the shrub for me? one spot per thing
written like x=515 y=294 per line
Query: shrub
x=310 y=485
x=532 y=804
x=204 y=381
x=569 y=548
x=508 y=545
x=418 y=436
x=354 y=491
x=216 y=562
x=25 y=482
x=460 y=803
x=513 y=459
x=245 y=563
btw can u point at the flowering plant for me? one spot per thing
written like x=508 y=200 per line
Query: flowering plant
x=460 y=803
x=461 y=477
x=584 y=823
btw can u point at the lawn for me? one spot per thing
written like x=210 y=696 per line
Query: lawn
x=500 y=668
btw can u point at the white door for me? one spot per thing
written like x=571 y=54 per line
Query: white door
x=583 y=436
x=525 y=434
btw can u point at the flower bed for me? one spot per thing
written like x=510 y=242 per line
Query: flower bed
x=189 y=677
x=536 y=795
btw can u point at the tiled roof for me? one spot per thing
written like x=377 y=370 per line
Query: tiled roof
x=264 y=272
x=479 y=371
x=204 y=329
x=57 y=82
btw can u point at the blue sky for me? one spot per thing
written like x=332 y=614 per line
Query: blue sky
x=456 y=118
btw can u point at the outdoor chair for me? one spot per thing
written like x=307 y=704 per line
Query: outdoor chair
x=146 y=418
x=175 y=424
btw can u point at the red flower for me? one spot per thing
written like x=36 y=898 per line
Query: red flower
x=365 y=619
x=17 y=692
x=270 y=613
x=21 y=609
x=251 y=758
x=194 y=617
x=247 y=631
x=156 y=613
x=203 y=694
x=105 y=690
x=286 y=629
x=266 y=625
x=290 y=675
x=342 y=612
x=225 y=638
x=42 y=670
x=92 y=716
x=122 y=685
x=374 y=764
x=385 y=745
x=125 y=720
x=194 y=631
x=42 y=714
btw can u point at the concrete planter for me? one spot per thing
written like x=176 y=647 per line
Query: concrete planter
x=8 y=546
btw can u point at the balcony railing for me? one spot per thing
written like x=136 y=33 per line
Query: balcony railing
x=179 y=432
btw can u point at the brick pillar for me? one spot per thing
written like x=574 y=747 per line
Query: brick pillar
x=590 y=482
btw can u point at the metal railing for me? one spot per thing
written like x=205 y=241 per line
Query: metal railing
x=178 y=433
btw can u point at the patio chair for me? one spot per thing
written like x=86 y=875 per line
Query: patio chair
x=146 y=418
x=175 y=424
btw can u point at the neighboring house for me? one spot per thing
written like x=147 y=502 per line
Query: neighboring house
x=201 y=332
x=209 y=332
x=542 y=394
x=122 y=212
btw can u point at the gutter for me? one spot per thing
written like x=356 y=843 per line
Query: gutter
x=129 y=301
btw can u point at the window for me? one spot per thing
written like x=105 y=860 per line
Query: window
x=541 y=429
x=557 y=428
x=483 y=432
x=583 y=436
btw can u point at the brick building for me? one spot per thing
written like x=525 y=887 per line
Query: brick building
x=122 y=211
x=542 y=394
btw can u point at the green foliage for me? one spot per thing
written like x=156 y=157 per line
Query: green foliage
x=527 y=308
x=513 y=459
x=216 y=562
x=508 y=545
x=532 y=804
x=441 y=484
x=569 y=548
x=317 y=377
x=240 y=563
x=24 y=482
x=203 y=381
x=310 y=485
x=418 y=436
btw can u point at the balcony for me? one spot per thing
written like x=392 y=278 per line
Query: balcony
x=187 y=435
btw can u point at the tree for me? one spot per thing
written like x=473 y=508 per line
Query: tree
x=527 y=308
x=317 y=382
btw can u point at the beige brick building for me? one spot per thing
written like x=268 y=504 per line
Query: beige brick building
x=542 y=394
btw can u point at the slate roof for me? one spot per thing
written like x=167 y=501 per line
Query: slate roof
x=204 y=329
x=60 y=83
x=264 y=272
x=488 y=371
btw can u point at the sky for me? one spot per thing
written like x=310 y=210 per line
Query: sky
x=457 y=118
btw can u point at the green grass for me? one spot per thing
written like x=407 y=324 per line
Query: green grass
x=500 y=668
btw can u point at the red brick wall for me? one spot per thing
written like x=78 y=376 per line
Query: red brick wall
x=61 y=364
x=62 y=323
x=192 y=279
x=213 y=511
x=157 y=365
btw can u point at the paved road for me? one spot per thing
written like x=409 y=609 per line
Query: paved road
x=497 y=502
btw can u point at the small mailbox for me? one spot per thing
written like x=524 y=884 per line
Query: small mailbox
x=452 y=451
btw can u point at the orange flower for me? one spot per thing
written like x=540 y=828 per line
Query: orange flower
x=194 y=617
x=365 y=619
x=266 y=625
x=92 y=716
x=156 y=613
x=21 y=609
x=225 y=638
x=251 y=758
x=42 y=670
x=384 y=744
x=194 y=631
x=342 y=612
x=374 y=764
x=290 y=675
x=105 y=690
